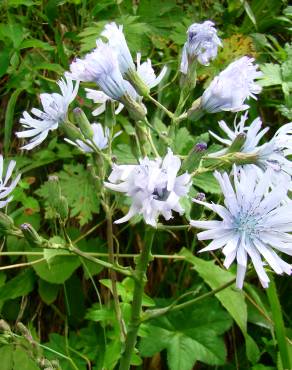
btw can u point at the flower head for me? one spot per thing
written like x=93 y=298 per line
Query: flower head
x=117 y=42
x=147 y=74
x=100 y=139
x=7 y=186
x=269 y=155
x=55 y=108
x=152 y=185
x=229 y=90
x=100 y=66
x=202 y=44
x=254 y=221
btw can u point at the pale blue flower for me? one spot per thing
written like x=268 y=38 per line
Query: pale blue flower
x=153 y=186
x=101 y=66
x=147 y=74
x=254 y=223
x=273 y=154
x=202 y=45
x=117 y=42
x=55 y=108
x=6 y=184
x=229 y=90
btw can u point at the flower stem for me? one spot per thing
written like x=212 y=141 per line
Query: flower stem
x=162 y=107
x=140 y=281
x=278 y=324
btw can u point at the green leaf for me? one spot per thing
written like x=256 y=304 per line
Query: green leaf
x=271 y=75
x=78 y=187
x=6 y=355
x=48 y=292
x=4 y=61
x=21 y=285
x=187 y=338
x=35 y=43
x=9 y=115
x=21 y=360
x=232 y=300
x=207 y=182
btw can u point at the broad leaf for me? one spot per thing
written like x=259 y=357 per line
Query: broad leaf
x=187 y=337
x=233 y=300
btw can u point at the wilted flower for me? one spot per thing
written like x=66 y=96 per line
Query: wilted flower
x=117 y=42
x=253 y=223
x=7 y=186
x=229 y=90
x=100 y=139
x=152 y=185
x=55 y=108
x=147 y=74
x=269 y=155
x=202 y=45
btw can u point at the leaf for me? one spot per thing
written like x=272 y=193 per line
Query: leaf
x=271 y=75
x=207 y=182
x=22 y=361
x=232 y=300
x=35 y=43
x=78 y=187
x=58 y=267
x=6 y=355
x=125 y=290
x=9 y=115
x=183 y=141
x=48 y=292
x=187 y=338
x=21 y=285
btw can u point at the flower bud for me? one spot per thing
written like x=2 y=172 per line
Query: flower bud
x=71 y=131
x=237 y=143
x=194 y=157
x=6 y=224
x=53 y=188
x=136 y=110
x=63 y=208
x=4 y=327
x=196 y=111
x=137 y=82
x=83 y=123
x=200 y=196
x=31 y=235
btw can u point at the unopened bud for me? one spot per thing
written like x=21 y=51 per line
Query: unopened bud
x=83 y=123
x=71 y=131
x=200 y=147
x=62 y=207
x=200 y=196
x=53 y=188
x=31 y=235
x=4 y=327
x=193 y=159
x=237 y=143
x=6 y=224
x=137 y=82
x=136 y=110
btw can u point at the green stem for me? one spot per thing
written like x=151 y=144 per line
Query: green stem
x=162 y=107
x=120 y=269
x=140 y=281
x=278 y=323
x=152 y=314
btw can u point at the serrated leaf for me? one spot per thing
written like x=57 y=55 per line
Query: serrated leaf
x=271 y=75
x=187 y=338
x=207 y=182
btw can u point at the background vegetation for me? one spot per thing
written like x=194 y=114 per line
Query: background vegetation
x=60 y=309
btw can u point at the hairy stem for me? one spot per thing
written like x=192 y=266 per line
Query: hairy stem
x=140 y=281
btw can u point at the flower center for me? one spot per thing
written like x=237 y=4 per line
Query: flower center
x=161 y=193
x=247 y=223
